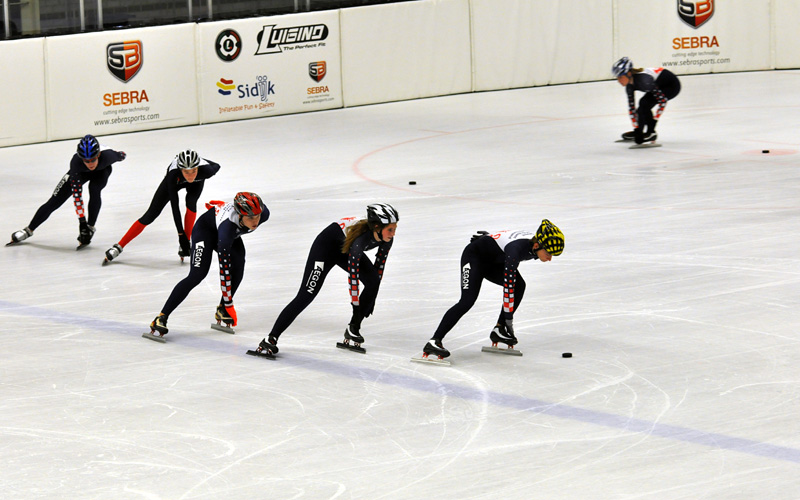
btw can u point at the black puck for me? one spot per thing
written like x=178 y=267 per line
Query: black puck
x=566 y=354
x=412 y=183
x=765 y=151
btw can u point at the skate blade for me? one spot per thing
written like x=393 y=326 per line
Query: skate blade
x=500 y=350
x=106 y=262
x=81 y=247
x=222 y=328
x=157 y=338
x=349 y=347
x=646 y=145
x=12 y=243
x=624 y=140
x=431 y=361
x=262 y=354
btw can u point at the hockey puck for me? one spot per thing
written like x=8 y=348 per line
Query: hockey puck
x=765 y=151
x=412 y=183
x=566 y=354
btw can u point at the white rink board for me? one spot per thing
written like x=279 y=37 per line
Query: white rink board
x=406 y=50
x=521 y=43
x=22 y=107
x=786 y=14
x=735 y=38
x=282 y=64
x=85 y=97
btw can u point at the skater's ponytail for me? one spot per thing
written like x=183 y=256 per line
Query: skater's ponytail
x=353 y=232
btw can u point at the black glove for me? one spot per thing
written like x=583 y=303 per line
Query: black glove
x=85 y=232
x=122 y=155
x=638 y=135
x=185 y=250
x=478 y=235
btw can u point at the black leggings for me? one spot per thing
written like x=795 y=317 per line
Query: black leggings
x=670 y=86
x=471 y=279
x=204 y=242
x=63 y=191
x=161 y=198
x=325 y=253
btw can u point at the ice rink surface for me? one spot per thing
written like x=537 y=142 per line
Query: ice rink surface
x=678 y=294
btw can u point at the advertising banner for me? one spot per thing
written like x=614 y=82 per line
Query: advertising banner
x=121 y=81
x=23 y=118
x=695 y=36
x=251 y=68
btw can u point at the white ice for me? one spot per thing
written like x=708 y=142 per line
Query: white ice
x=678 y=294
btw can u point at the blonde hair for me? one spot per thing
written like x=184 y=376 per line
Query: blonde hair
x=636 y=70
x=354 y=232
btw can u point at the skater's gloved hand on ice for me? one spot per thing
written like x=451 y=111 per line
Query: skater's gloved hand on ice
x=232 y=313
x=478 y=235
x=638 y=135
x=85 y=231
x=183 y=241
x=122 y=155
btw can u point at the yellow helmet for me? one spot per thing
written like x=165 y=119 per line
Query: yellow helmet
x=550 y=237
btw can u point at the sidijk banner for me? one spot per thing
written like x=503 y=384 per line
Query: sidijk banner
x=121 y=81
x=253 y=68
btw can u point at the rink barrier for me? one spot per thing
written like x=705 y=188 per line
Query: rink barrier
x=122 y=81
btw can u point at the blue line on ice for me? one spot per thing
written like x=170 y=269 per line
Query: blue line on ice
x=667 y=431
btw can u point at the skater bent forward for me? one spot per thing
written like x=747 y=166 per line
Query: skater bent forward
x=495 y=257
x=90 y=164
x=343 y=244
x=186 y=171
x=220 y=229
x=659 y=85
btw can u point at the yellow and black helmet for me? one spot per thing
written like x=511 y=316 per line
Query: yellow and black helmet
x=550 y=237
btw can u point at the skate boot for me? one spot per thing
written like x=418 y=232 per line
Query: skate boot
x=352 y=334
x=158 y=328
x=435 y=347
x=268 y=348
x=112 y=253
x=501 y=334
x=650 y=137
x=222 y=316
x=629 y=136
x=17 y=236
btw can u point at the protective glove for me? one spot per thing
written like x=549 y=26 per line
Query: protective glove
x=122 y=155
x=232 y=313
x=185 y=249
x=478 y=235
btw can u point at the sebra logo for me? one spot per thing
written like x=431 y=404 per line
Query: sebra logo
x=198 y=253
x=124 y=59
x=316 y=274
x=271 y=37
x=695 y=13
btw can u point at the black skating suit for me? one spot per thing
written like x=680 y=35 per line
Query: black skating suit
x=494 y=257
x=325 y=253
x=659 y=85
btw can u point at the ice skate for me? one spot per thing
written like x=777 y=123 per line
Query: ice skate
x=222 y=316
x=649 y=142
x=85 y=237
x=21 y=235
x=627 y=137
x=500 y=335
x=352 y=334
x=436 y=348
x=268 y=348
x=112 y=253
x=182 y=254
x=158 y=328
